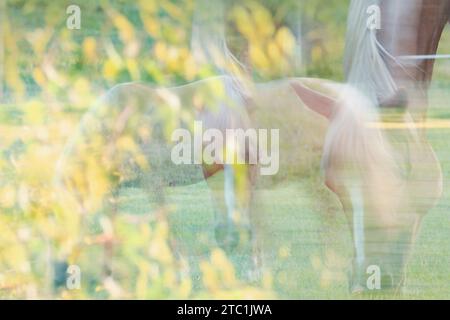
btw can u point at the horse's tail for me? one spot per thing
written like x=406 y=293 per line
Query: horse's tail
x=364 y=61
x=352 y=139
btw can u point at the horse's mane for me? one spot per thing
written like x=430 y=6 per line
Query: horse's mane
x=364 y=59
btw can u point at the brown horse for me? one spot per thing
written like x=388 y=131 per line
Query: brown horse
x=382 y=75
x=393 y=64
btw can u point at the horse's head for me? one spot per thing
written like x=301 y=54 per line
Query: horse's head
x=386 y=181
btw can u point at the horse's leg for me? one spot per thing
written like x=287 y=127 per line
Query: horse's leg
x=435 y=15
x=244 y=177
x=419 y=35
x=232 y=193
x=400 y=21
x=409 y=29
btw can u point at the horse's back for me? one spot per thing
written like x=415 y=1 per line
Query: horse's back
x=301 y=131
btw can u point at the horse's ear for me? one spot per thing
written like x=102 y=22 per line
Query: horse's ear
x=315 y=100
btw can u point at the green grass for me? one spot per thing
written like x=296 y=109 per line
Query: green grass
x=294 y=223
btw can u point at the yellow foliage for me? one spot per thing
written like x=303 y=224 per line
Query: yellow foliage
x=160 y=51
x=285 y=40
x=259 y=58
x=133 y=68
x=126 y=29
x=39 y=76
x=244 y=24
x=262 y=19
x=151 y=25
x=220 y=261
x=90 y=49
x=110 y=69
x=209 y=276
x=148 y=6
x=274 y=52
x=72 y=213
x=34 y=112
x=80 y=93
x=7 y=196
